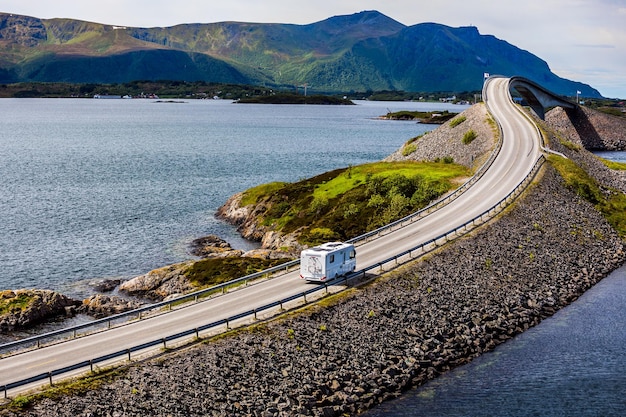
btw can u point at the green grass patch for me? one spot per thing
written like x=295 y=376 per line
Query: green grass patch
x=613 y=111
x=251 y=196
x=457 y=121
x=410 y=141
x=409 y=149
x=618 y=166
x=209 y=272
x=571 y=145
x=365 y=173
x=612 y=204
x=493 y=124
x=344 y=203
x=10 y=302
x=469 y=137
x=427 y=117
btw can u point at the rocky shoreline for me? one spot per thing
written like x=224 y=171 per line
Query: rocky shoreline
x=28 y=308
x=383 y=338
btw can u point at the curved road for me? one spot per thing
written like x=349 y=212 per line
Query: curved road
x=520 y=150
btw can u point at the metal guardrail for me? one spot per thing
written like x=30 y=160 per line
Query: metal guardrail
x=423 y=248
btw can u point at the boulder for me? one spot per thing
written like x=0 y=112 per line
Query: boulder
x=159 y=283
x=101 y=305
x=26 y=308
x=106 y=285
x=212 y=246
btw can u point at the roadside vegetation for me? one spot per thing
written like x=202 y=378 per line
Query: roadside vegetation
x=457 y=121
x=611 y=203
x=469 y=137
x=209 y=272
x=345 y=203
x=618 y=166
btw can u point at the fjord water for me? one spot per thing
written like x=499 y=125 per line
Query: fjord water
x=94 y=189
x=571 y=364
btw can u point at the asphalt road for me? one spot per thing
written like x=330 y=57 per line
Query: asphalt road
x=520 y=150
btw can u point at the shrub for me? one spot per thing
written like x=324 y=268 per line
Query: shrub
x=469 y=137
x=409 y=149
x=318 y=205
x=318 y=235
x=208 y=272
x=376 y=201
x=351 y=211
x=457 y=121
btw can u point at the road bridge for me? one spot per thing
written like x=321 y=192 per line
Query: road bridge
x=537 y=97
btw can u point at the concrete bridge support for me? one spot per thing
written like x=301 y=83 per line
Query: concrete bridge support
x=538 y=98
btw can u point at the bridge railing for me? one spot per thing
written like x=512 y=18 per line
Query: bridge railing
x=403 y=257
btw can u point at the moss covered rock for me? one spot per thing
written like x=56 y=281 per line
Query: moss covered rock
x=20 y=309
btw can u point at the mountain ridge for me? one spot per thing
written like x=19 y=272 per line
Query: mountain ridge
x=358 y=52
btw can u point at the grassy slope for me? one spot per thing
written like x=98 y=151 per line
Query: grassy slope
x=336 y=205
x=611 y=203
x=344 y=203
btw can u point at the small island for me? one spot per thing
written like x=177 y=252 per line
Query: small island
x=296 y=99
x=425 y=117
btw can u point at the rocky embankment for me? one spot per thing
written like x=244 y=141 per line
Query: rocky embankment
x=383 y=338
x=587 y=129
x=447 y=140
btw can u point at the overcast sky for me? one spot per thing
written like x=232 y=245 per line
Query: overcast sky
x=582 y=40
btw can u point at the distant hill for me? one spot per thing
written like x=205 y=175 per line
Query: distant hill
x=359 y=52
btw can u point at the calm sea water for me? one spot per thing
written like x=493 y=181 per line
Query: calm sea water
x=571 y=364
x=613 y=156
x=93 y=189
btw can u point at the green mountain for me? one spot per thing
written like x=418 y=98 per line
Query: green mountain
x=359 y=52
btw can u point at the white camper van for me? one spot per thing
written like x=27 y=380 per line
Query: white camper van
x=327 y=261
